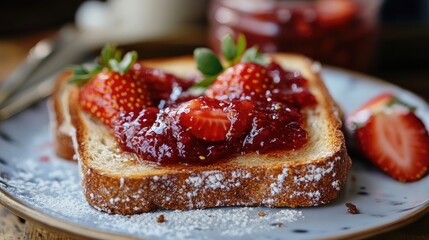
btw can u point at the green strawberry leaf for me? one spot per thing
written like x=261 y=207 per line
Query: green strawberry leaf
x=210 y=66
x=110 y=58
x=253 y=55
x=207 y=62
x=396 y=101
x=241 y=46
x=127 y=61
x=229 y=50
x=114 y=65
x=206 y=82
x=95 y=70
x=81 y=75
x=117 y=54
x=78 y=80
x=108 y=52
x=79 y=70
x=122 y=65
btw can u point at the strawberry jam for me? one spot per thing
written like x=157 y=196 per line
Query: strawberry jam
x=338 y=32
x=261 y=113
x=160 y=83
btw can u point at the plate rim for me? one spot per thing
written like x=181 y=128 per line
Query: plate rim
x=377 y=80
x=51 y=222
x=57 y=224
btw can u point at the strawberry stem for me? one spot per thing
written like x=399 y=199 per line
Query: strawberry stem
x=210 y=65
x=110 y=58
x=241 y=47
x=206 y=82
x=253 y=55
x=207 y=62
x=229 y=50
x=396 y=101
x=123 y=65
x=81 y=74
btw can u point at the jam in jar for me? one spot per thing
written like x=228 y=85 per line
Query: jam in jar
x=338 y=32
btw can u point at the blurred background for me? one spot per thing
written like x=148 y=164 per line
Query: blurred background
x=388 y=39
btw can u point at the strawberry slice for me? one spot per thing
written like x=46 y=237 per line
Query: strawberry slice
x=397 y=143
x=207 y=123
x=214 y=120
x=375 y=105
x=364 y=112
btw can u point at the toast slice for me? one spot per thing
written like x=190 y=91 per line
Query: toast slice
x=60 y=117
x=115 y=182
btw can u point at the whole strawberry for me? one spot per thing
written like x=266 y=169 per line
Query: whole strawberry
x=110 y=88
x=244 y=76
x=242 y=81
x=392 y=137
x=249 y=75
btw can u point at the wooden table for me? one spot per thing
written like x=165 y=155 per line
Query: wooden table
x=14 y=49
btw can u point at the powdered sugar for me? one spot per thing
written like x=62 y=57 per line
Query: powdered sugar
x=315 y=173
x=276 y=187
x=216 y=179
x=54 y=189
x=66 y=203
x=336 y=185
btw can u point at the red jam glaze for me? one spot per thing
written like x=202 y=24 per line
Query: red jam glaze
x=290 y=87
x=274 y=126
x=206 y=129
x=165 y=135
x=161 y=84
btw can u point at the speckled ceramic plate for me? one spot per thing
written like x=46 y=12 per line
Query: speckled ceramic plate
x=37 y=185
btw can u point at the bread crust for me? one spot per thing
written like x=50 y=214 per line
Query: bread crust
x=114 y=182
x=63 y=144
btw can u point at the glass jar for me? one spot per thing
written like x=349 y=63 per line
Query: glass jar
x=337 y=32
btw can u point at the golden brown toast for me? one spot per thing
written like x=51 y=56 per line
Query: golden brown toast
x=114 y=181
x=60 y=117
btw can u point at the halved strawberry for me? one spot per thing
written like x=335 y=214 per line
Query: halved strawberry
x=377 y=104
x=213 y=120
x=242 y=81
x=209 y=125
x=397 y=142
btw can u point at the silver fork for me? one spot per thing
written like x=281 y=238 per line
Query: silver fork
x=33 y=79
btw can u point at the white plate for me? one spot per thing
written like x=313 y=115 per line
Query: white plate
x=37 y=185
